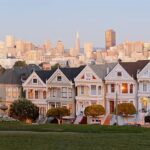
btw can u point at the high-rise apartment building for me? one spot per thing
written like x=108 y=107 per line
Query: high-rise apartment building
x=110 y=38
x=88 y=48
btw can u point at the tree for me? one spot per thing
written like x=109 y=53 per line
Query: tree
x=23 y=109
x=126 y=109
x=55 y=66
x=94 y=110
x=58 y=113
x=20 y=64
x=2 y=69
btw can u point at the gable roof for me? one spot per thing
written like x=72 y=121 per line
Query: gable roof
x=101 y=69
x=45 y=75
x=133 y=67
x=71 y=73
x=14 y=75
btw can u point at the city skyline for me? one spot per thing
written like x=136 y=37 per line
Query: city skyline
x=38 y=21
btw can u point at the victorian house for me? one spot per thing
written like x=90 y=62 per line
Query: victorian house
x=61 y=88
x=121 y=84
x=90 y=86
x=143 y=77
x=35 y=89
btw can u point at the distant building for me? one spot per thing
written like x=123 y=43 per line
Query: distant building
x=110 y=38
x=77 y=48
x=9 y=41
x=88 y=48
x=59 y=48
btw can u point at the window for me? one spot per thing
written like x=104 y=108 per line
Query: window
x=30 y=94
x=82 y=89
x=52 y=105
x=15 y=93
x=58 y=78
x=99 y=90
x=144 y=87
x=36 y=94
x=93 y=89
x=54 y=92
x=64 y=92
x=58 y=104
x=112 y=88
x=34 y=81
x=124 y=88
x=44 y=94
x=131 y=88
x=119 y=74
x=70 y=93
x=9 y=92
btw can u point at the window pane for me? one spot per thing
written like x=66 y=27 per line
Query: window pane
x=144 y=87
x=82 y=89
x=36 y=94
x=124 y=88
x=93 y=89
x=131 y=88
x=99 y=90
x=112 y=88
x=34 y=80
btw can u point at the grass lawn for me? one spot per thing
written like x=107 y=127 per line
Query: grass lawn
x=14 y=136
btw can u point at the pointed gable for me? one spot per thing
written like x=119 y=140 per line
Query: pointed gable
x=145 y=72
x=134 y=67
x=126 y=70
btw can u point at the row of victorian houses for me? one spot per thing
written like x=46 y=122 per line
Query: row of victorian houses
x=77 y=88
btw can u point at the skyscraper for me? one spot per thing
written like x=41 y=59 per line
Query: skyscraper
x=77 y=48
x=110 y=38
x=88 y=48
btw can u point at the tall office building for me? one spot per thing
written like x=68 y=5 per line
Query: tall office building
x=47 y=45
x=88 y=48
x=77 y=48
x=20 y=45
x=10 y=41
x=110 y=38
x=59 y=48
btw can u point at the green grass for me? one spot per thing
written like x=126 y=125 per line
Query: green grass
x=16 y=136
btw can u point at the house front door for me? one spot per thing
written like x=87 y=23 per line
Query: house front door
x=111 y=106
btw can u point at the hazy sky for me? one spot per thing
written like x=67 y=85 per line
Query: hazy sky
x=39 y=20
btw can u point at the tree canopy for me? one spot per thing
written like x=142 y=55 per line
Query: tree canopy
x=23 y=109
x=20 y=64
x=94 y=110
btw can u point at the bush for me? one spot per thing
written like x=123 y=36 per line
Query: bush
x=94 y=110
x=23 y=109
x=126 y=109
x=58 y=112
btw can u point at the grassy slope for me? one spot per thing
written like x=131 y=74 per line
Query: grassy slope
x=66 y=137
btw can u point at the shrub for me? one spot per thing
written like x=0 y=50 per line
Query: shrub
x=94 y=110
x=126 y=109
x=58 y=112
x=23 y=109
